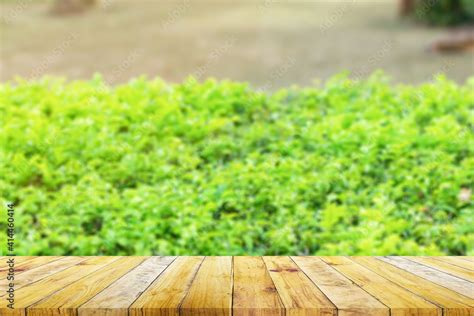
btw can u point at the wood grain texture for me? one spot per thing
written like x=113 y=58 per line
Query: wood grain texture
x=452 y=302
x=445 y=267
x=348 y=298
x=446 y=280
x=24 y=263
x=298 y=293
x=401 y=301
x=211 y=290
x=18 y=260
x=117 y=298
x=42 y=271
x=240 y=286
x=66 y=300
x=463 y=262
x=254 y=291
x=165 y=295
x=32 y=293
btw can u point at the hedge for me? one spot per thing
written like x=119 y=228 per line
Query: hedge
x=445 y=12
x=217 y=168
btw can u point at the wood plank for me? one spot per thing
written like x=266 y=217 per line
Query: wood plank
x=400 y=301
x=165 y=294
x=446 y=280
x=117 y=298
x=298 y=293
x=445 y=267
x=211 y=290
x=348 y=297
x=452 y=302
x=18 y=259
x=254 y=291
x=35 y=262
x=41 y=289
x=457 y=261
x=434 y=275
x=66 y=300
x=42 y=271
x=242 y=286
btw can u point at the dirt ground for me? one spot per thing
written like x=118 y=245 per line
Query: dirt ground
x=268 y=43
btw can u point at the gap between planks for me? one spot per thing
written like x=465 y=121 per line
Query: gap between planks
x=149 y=286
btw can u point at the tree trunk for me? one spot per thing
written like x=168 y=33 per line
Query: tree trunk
x=406 y=7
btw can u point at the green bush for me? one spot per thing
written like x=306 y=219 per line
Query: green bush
x=217 y=168
x=445 y=12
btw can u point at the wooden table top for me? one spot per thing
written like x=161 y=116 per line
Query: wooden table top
x=143 y=286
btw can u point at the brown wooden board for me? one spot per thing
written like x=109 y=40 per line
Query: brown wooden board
x=240 y=286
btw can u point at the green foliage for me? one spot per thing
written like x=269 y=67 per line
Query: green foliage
x=445 y=12
x=213 y=168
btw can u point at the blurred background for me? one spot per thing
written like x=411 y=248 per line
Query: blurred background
x=268 y=43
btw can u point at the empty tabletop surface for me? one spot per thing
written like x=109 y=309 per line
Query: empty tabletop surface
x=198 y=285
